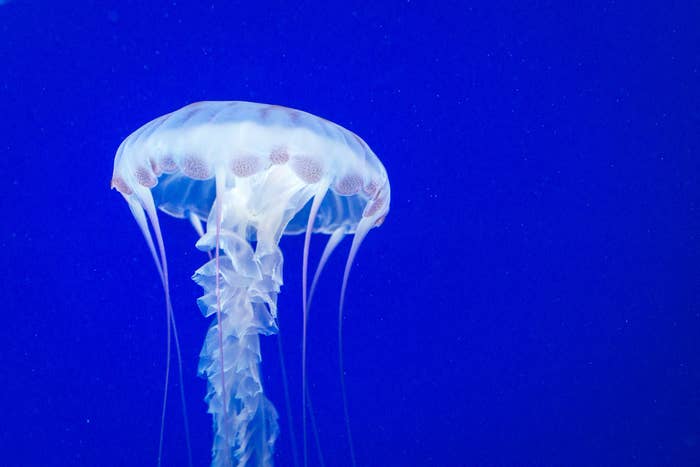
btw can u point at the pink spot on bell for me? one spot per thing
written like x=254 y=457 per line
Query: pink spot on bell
x=121 y=186
x=371 y=188
x=279 y=155
x=195 y=168
x=373 y=207
x=145 y=177
x=307 y=168
x=168 y=165
x=156 y=168
x=245 y=166
x=348 y=185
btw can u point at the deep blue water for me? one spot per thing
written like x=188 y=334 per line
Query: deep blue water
x=532 y=299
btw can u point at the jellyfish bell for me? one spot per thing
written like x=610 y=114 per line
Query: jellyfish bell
x=244 y=174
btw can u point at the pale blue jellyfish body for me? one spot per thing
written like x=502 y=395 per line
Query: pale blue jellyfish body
x=251 y=173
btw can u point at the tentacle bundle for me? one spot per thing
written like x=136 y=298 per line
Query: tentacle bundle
x=248 y=286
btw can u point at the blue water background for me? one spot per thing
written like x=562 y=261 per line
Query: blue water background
x=533 y=297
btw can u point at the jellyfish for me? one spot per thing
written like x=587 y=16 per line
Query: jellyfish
x=244 y=174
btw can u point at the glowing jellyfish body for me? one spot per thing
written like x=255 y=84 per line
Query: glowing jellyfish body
x=253 y=173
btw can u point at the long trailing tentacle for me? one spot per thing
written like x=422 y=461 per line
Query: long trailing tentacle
x=315 y=204
x=362 y=228
x=333 y=241
x=288 y=406
x=140 y=217
x=138 y=213
x=314 y=429
x=146 y=200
